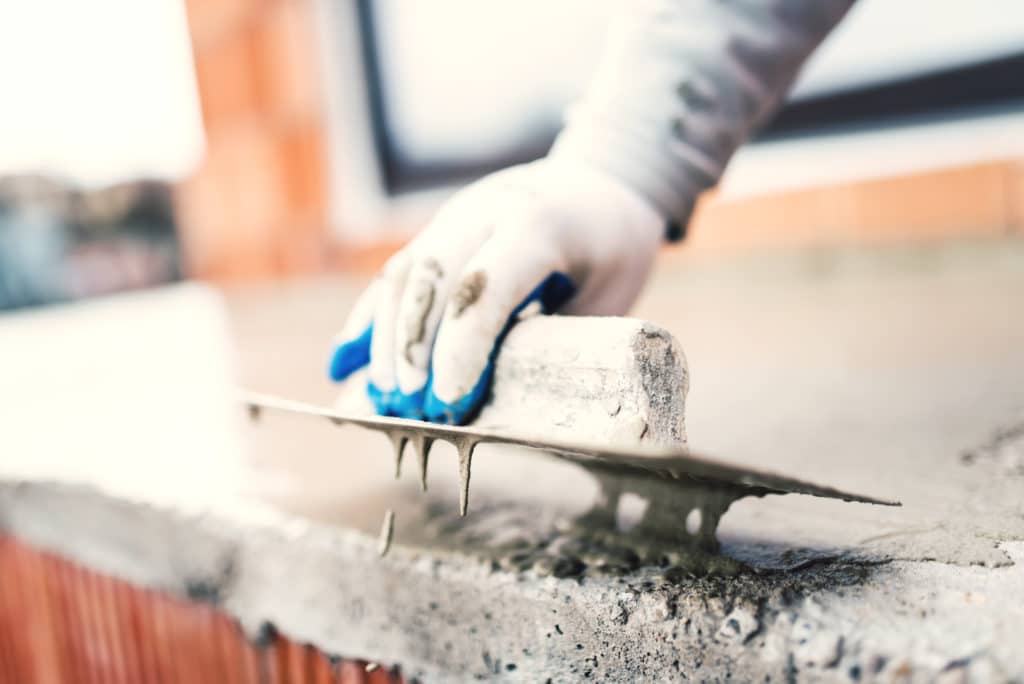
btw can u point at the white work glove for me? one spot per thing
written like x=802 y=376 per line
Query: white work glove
x=680 y=86
x=558 y=232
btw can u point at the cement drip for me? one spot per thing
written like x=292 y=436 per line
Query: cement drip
x=677 y=486
x=465 y=448
x=398 y=440
x=387 y=531
x=421 y=445
x=661 y=536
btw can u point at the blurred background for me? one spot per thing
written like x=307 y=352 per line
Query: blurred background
x=248 y=140
x=848 y=297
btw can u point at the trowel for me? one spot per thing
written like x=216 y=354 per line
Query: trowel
x=614 y=406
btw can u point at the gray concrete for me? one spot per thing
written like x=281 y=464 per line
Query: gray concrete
x=898 y=373
x=449 y=617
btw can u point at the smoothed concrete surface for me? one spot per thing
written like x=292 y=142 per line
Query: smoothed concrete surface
x=876 y=371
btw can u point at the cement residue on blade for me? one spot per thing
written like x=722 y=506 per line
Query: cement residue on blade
x=422 y=445
x=589 y=545
x=465 y=448
x=398 y=440
x=387 y=531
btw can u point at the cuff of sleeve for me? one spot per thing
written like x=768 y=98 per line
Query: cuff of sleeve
x=670 y=187
x=675 y=232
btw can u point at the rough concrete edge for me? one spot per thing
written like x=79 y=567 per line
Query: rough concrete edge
x=327 y=587
x=264 y=569
x=216 y=556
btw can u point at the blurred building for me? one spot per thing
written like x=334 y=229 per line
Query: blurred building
x=59 y=241
x=333 y=129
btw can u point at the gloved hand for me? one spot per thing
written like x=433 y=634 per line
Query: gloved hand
x=556 y=234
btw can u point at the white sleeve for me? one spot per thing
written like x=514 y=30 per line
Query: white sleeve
x=683 y=83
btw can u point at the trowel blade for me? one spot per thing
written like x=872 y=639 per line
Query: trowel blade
x=671 y=463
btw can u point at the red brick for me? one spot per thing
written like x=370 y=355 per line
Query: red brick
x=232 y=206
x=226 y=76
x=60 y=622
x=210 y=20
x=304 y=170
x=287 y=73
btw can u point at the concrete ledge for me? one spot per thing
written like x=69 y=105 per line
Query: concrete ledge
x=448 y=616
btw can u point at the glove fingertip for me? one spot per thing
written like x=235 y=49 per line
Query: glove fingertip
x=381 y=399
x=402 y=405
x=437 y=411
x=462 y=410
x=552 y=293
x=351 y=356
x=395 y=403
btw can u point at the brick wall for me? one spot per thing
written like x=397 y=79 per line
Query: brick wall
x=62 y=623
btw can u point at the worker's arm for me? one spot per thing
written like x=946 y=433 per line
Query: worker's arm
x=682 y=84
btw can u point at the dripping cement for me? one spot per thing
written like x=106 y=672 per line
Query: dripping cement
x=585 y=551
x=421 y=446
x=465 y=449
x=387 y=531
x=398 y=440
